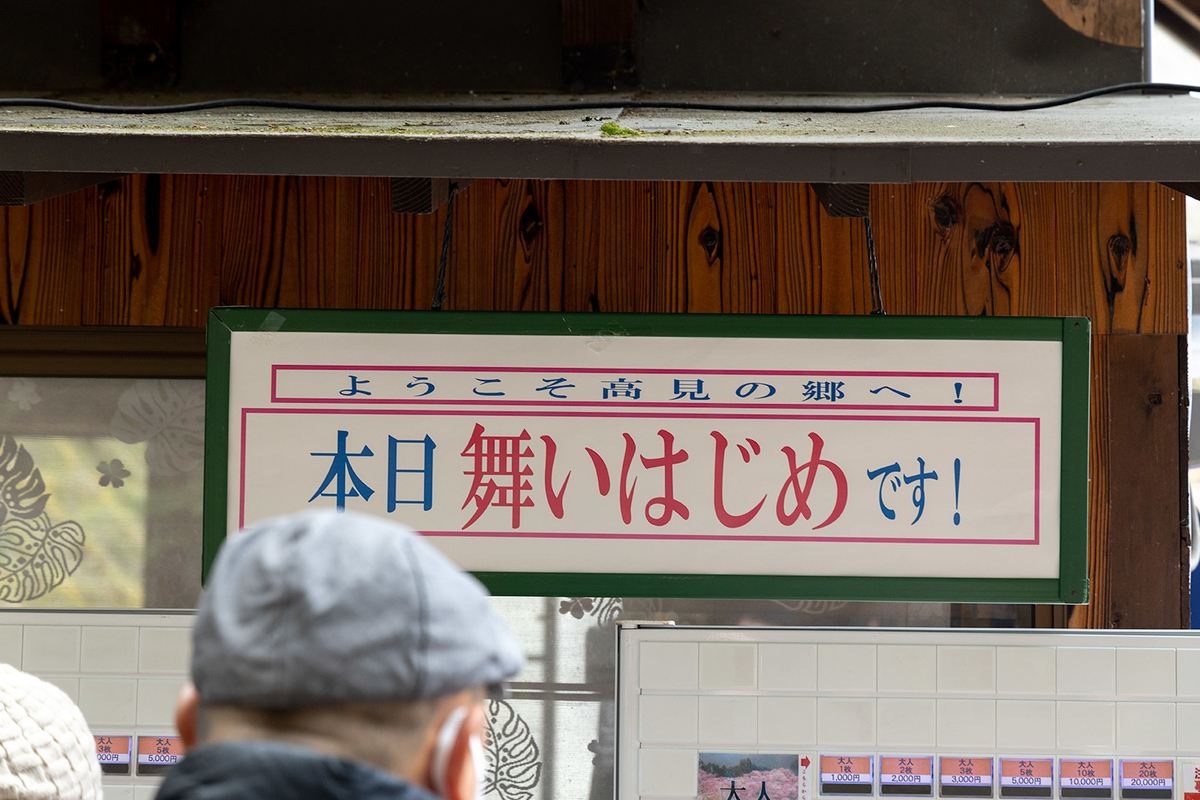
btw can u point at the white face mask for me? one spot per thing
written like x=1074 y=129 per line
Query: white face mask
x=447 y=736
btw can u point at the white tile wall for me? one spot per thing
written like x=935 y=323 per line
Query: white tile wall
x=1187 y=727
x=789 y=667
x=907 y=669
x=667 y=772
x=1086 y=671
x=1086 y=726
x=110 y=649
x=50 y=648
x=1148 y=672
x=969 y=724
x=918 y=692
x=669 y=665
x=786 y=721
x=843 y=721
x=156 y=700
x=166 y=650
x=1145 y=728
x=108 y=702
x=1187 y=674
x=1026 y=725
x=10 y=645
x=728 y=720
x=669 y=718
x=728 y=666
x=1026 y=671
x=846 y=668
x=907 y=723
x=966 y=669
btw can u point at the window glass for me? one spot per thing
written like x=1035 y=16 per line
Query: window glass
x=100 y=492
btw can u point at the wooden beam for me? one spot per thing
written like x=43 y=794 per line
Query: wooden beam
x=1147 y=518
x=102 y=351
x=424 y=195
x=27 y=188
x=844 y=199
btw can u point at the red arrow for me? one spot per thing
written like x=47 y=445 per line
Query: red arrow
x=804 y=762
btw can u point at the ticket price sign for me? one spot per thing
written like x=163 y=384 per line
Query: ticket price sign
x=1148 y=779
x=965 y=777
x=685 y=455
x=1189 y=778
x=113 y=753
x=157 y=754
x=843 y=775
x=906 y=776
x=1026 y=777
x=1085 y=778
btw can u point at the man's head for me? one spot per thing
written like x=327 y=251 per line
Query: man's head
x=348 y=634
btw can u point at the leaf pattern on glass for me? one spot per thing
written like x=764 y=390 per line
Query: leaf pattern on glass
x=35 y=557
x=604 y=609
x=810 y=606
x=514 y=760
x=112 y=472
x=169 y=417
x=22 y=490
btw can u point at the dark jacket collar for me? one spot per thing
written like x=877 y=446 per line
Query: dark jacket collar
x=262 y=770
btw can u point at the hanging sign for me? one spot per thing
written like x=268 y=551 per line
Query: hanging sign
x=859 y=458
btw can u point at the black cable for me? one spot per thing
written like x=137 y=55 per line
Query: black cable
x=582 y=105
x=439 y=288
x=873 y=272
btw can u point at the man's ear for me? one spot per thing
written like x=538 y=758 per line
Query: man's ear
x=461 y=767
x=186 y=708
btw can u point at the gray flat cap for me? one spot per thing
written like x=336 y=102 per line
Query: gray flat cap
x=322 y=607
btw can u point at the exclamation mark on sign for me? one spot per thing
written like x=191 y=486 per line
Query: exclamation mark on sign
x=957 y=474
x=958 y=392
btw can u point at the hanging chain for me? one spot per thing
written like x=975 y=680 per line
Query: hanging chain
x=439 y=288
x=873 y=269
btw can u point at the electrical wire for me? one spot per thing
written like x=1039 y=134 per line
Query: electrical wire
x=439 y=288
x=873 y=272
x=596 y=103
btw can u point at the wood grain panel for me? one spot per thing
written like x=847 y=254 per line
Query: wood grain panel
x=1112 y=21
x=149 y=250
x=1111 y=252
x=1146 y=516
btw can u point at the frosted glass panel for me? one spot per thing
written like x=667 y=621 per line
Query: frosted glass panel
x=100 y=492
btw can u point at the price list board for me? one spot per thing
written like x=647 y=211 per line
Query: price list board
x=847 y=775
x=965 y=777
x=114 y=754
x=1026 y=777
x=906 y=776
x=158 y=754
x=1092 y=778
x=1148 y=780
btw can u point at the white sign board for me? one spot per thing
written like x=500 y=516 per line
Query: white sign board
x=642 y=451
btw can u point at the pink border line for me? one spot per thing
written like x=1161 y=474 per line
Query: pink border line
x=1037 y=473
x=277 y=368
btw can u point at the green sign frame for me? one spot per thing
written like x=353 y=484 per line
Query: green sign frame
x=1070 y=587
